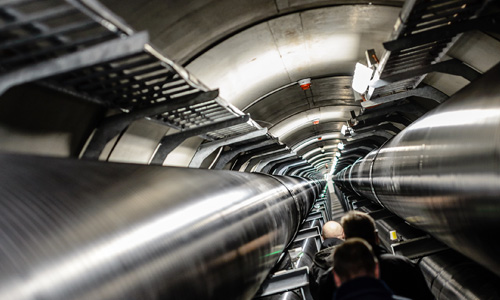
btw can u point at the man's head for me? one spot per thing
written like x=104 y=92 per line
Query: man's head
x=354 y=258
x=332 y=229
x=360 y=225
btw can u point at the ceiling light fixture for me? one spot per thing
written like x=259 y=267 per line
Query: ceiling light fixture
x=361 y=78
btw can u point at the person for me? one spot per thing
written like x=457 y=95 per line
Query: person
x=321 y=283
x=356 y=273
x=398 y=272
x=332 y=233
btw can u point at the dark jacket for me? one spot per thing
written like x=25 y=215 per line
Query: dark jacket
x=321 y=283
x=402 y=276
x=327 y=243
x=365 y=288
x=398 y=272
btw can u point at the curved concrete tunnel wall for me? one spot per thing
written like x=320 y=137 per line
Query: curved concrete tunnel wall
x=312 y=43
x=297 y=45
x=370 y=24
x=213 y=56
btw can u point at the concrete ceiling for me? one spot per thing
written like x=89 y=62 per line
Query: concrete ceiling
x=255 y=51
x=257 y=67
x=184 y=30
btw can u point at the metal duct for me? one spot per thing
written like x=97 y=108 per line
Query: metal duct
x=296 y=186
x=293 y=295
x=74 y=229
x=314 y=223
x=309 y=249
x=453 y=276
x=442 y=173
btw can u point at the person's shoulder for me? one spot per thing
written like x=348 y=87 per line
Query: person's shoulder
x=323 y=257
x=404 y=277
x=397 y=259
x=327 y=243
x=392 y=266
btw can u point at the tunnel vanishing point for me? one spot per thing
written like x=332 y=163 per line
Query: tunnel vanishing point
x=192 y=149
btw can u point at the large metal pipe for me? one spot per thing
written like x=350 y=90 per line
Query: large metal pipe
x=74 y=229
x=442 y=173
x=453 y=276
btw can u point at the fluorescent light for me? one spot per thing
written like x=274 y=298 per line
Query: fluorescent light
x=344 y=129
x=335 y=160
x=361 y=78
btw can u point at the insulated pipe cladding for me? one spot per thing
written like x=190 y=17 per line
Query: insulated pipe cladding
x=74 y=229
x=442 y=173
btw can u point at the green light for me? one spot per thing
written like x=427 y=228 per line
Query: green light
x=273 y=253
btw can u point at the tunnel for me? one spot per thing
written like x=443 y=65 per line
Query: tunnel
x=193 y=149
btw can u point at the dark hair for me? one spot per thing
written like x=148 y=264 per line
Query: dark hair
x=354 y=258
x=359 y=224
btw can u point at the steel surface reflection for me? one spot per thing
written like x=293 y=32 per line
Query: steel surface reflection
x=87 y=230
x=442 y=173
